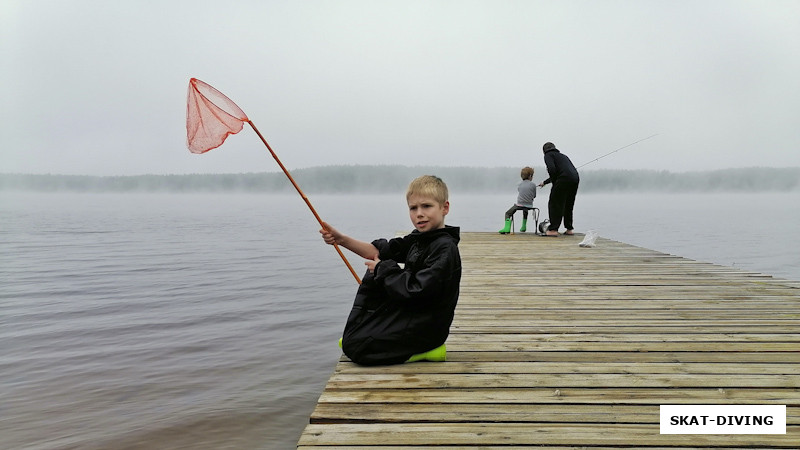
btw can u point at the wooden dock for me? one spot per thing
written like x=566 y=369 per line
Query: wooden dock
x=558 y=346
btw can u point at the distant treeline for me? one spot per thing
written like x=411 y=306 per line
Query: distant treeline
x=384 y=179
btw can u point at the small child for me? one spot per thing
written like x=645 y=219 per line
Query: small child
x=526 y=193
x=403 y=314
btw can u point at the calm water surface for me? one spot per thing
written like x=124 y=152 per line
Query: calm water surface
x=197 y=321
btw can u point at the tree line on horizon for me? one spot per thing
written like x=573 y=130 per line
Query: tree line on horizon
x=389 y=179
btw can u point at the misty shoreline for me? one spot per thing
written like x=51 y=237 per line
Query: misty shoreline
x=394 y=178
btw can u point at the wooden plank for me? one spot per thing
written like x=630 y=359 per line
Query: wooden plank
x=476 y=328
x=466 y=339
x=373 y=381
x=578 y=352
x=581 y=367
x=630 y=321
x=624 y=304
x=633 y=346
x=592 y=395
x=486 y=447
x=494 y=447
x=494 y=412
x=622 y=435
x=786 y=317
x=792 y=357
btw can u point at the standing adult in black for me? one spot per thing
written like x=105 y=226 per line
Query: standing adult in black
x=565 y=179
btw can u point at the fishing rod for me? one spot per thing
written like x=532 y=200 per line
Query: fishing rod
x=615 y=151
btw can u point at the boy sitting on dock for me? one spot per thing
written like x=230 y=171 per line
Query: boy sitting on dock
x=526 y=192
x=403 y=314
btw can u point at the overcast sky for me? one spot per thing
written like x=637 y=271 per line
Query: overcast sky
x=99 y=87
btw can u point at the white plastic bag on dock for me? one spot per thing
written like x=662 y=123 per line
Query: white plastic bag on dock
x=588 y=240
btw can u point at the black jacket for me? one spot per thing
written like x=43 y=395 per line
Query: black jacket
x=398 y=311
x=560 y=168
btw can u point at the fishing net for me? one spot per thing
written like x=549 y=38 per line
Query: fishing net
x=210 y=117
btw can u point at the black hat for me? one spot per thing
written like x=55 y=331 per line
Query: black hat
x=548 y=146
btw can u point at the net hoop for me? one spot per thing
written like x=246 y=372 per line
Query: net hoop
x=210 y=117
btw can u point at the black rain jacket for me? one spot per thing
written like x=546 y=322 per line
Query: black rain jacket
x=560 y=168
x=402 y=311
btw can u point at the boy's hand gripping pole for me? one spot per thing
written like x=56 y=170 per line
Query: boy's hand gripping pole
x=299 y=191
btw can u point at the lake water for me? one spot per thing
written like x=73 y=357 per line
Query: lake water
x=199 y=321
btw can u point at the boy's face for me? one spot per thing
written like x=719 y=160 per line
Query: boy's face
x=426 y=213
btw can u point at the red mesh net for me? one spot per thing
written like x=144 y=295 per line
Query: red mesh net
x=210 y=117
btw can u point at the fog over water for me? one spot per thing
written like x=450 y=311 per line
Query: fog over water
x=388 y=179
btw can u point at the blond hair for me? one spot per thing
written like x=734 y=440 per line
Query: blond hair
x=428 y=186
x=526 y=173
